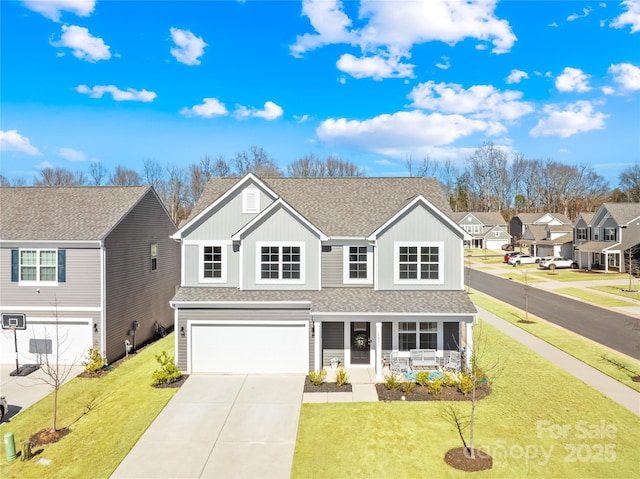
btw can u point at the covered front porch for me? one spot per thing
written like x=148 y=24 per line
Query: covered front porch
x=367 y=342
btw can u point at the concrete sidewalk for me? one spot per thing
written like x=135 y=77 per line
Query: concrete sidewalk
x=618 y=392
x=223 y=426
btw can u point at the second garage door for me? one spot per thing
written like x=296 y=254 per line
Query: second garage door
x=250 y=348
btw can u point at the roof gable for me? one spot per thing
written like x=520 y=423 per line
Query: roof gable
x=65 y=213
x=623 y=213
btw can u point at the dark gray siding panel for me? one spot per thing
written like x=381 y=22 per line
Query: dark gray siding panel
x=332 y=342
x=332 y=269
x=213 y=315
x=387 y=340
x=133 y=291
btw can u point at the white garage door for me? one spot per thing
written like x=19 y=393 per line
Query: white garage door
x=72 y=343
x=250 y=348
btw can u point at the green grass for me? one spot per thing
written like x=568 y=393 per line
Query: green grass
x=618 y=290
x=106 y=416
x=518 y=275
x=410 y=439
x=576 y=275
x=586 y=351
x=595 y=298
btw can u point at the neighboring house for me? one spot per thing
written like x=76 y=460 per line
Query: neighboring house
x=280 y=275
x=536 y=232
x=604 y=238
x=97 y=261
x=488 y=230
x=519 y=223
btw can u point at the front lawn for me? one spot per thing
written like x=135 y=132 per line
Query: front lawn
x=106 y=416
x=595 y=355
x=592 y=297
x=577 y=275
x=519 y=424
x=619 y=291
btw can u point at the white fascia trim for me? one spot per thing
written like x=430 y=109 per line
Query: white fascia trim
x=421 y=199
x=243 y=304
x=279 y=202
x=249 y=177
x=48 y=309
x=462 y=316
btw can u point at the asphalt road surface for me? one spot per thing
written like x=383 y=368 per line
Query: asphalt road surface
x=614 y=330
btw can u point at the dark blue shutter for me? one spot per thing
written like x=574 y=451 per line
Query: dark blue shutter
x=15 y=266
x=62 y=266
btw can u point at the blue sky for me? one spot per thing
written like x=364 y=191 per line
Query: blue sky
x=373 y=82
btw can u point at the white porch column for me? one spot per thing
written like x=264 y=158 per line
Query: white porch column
x=317 y=345
x=469 y=345
x=378 y=358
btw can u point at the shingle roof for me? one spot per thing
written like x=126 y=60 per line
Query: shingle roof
x=485 y=217
x=623 y=213
x=341 y=206
x=343 y=300
x=531 y=218
x=587 y=217
x=64 y=213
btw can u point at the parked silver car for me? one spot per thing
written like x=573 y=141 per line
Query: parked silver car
x=558 y=262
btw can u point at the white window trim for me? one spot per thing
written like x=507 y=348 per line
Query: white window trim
x=224 y=246
x=477 y=229
x=251 y=200
x=279 y=244
x=396 y=262
x=37 y=282
x=607 y=236
x=345 y=265
x=584 y=234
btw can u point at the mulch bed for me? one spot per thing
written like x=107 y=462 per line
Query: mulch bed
x=460 y=458
x=449 y=393
x=325 y=387
x=174 y=384
x=48 y=436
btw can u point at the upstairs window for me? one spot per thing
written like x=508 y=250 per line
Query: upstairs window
x=280 y=262
x=154 y=257
x=213 y=268
x=582 y=234
x=609 y=234
x=356 y=264
x=38 y=265
x=418 y=262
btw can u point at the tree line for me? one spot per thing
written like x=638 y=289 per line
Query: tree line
x=490 y=180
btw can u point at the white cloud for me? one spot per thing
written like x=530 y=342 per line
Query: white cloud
x=607 y=90
x=84 y=45
x=52 y=9
x=400 y=131
x=375 y=67
x=627 y=75
x=118 y=95
x=271 y=111
x=70 y=154
x=301 y=118
x=189 y=48
x=578 y=117
x=388 y=32
x=445 y=64
x=479 y=101
x=575 y=16
x=573 y=79
x=516 y=76
x=553 y=24
x=210 y=108
x=630 y=17
x=13 y=141
x=342 y=80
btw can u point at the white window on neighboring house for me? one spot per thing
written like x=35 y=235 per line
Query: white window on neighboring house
x=251 y=200
x=357 y=260
x=582 y=234
x=38 y=265
x=280 y=262
x=418 y=263
x=477 y=229
x=154 y=257
x=213 y=263
x=596 y=233
x=609 y=234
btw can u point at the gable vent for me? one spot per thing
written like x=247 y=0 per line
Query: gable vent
x=251 y=201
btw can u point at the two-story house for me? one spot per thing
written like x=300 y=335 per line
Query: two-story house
x=280 y=275
x=603 y=239
x=487 y=229
x=543 y=234
x=88 y=267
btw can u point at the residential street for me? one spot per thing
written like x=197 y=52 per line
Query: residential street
x=615 y=330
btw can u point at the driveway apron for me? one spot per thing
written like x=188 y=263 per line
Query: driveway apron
x=221 y=426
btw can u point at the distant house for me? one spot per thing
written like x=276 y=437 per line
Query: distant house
x=603 y=239
x=542 y=234
x=97 y=261
x=487 y=229
x=280 y=275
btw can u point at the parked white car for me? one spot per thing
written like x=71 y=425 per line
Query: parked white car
x=558 y=262
x=523 y=259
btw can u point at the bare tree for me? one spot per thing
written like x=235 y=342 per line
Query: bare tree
x=632 y=264
x=255 y=161
x=4 y=181
x=123 y=176
x=630 y=183
x=58 y=176
x=312 y=165
x=427 y=167
x=177 y=194
x=97 y=172
x=153 y=173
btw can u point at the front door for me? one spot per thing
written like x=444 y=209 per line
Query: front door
x=360 y=343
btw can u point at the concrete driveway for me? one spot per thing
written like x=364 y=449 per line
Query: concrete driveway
x=223 y=426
